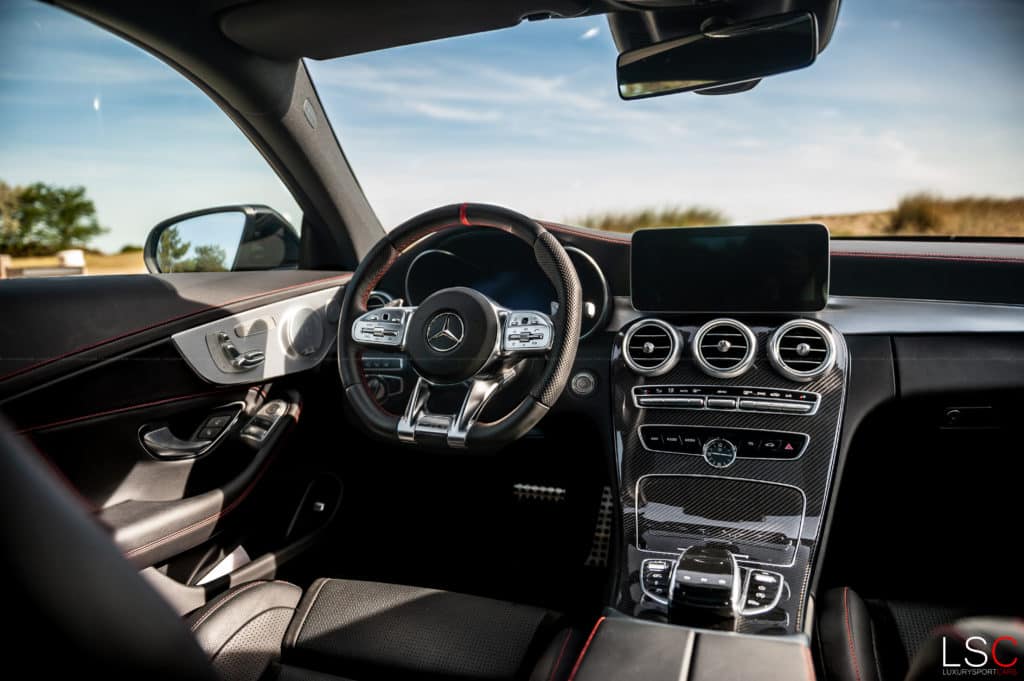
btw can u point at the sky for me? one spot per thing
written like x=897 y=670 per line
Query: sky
x=911 y=95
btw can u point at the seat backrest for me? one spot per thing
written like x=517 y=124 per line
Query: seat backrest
x=76 y=598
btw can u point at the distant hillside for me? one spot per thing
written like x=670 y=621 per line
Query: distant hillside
x=930 y=215
x=914 y=215
x=630 y=221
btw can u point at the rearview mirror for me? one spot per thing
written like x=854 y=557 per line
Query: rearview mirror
x=720 y=56
x=224 y=239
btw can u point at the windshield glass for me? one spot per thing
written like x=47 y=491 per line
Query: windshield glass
x=908 y=124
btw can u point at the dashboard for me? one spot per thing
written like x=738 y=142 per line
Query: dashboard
x=501 y=267
x=730 y=405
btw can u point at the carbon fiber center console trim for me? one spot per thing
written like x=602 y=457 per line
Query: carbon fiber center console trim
x=811 y=473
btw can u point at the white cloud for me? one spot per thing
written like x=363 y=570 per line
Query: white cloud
x=450 y=113
x=590 y=33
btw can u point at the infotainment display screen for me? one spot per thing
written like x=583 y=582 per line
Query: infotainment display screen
x=764 y=268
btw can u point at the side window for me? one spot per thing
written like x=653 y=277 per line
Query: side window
x=105 y=150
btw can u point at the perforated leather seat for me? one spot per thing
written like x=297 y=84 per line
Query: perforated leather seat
x=884 y=640
x=369 y=630
x=76 y=599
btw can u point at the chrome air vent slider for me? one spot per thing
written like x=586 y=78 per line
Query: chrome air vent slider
x=726 y=398
x=651 y=347
x=801 y=350
x=724 y=348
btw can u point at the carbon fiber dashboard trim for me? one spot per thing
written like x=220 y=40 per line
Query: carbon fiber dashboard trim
x=811 y=473
x=777 y=524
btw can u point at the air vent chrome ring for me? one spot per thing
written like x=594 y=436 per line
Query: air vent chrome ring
x=741 y=365
x=671 y=359
x=803 y=349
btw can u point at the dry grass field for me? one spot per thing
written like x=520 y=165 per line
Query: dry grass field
x=95 y=263
x=914 y=215
x=929 y=215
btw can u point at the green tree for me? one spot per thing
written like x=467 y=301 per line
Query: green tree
x=170 y=249
x=58 y=217
x=12 y=232
x=210 y=258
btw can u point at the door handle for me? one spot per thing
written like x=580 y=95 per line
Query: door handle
x=164 y=444
x=239 y=360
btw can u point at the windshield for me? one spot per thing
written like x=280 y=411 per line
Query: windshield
x=908 y=124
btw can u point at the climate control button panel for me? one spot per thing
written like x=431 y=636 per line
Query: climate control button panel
x=749 y=444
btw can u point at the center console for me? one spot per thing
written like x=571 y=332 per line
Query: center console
x=739 y=462
x=726 y=429
x=626 y=648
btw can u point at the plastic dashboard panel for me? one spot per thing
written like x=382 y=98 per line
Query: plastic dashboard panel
x=811 y=473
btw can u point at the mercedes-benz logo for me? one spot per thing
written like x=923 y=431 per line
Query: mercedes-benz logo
x=445 y=332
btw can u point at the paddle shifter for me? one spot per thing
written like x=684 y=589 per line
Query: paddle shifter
x=705 y=587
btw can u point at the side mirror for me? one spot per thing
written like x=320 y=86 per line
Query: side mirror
x=223 y=239
x=725 y=56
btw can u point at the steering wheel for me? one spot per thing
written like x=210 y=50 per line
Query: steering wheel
x=460 y=336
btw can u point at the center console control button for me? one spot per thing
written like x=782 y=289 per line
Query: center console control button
x=750 y=444
x=655 y=575
x=670 y=439
x=775 y=406
x=721 y=403
x=670 y=401
x=762 y=592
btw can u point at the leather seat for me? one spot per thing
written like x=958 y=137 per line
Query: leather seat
x=80 y=608
x=369 y=630
x=878 y=640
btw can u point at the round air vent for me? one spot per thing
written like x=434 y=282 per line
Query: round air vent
x=378 y=299
x=801 y=350
x=651 y=347
x=724 y=348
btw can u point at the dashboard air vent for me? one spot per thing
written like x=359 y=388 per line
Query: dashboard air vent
x=724 y=348
x=651 y=347
x=801 y=350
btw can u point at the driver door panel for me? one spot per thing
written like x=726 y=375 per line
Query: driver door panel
x=87 y=410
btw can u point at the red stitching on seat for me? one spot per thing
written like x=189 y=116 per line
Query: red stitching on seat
x=579 y=660
x=558 y=660
x=127 y=334
x=849 y=633
x=462 y=215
